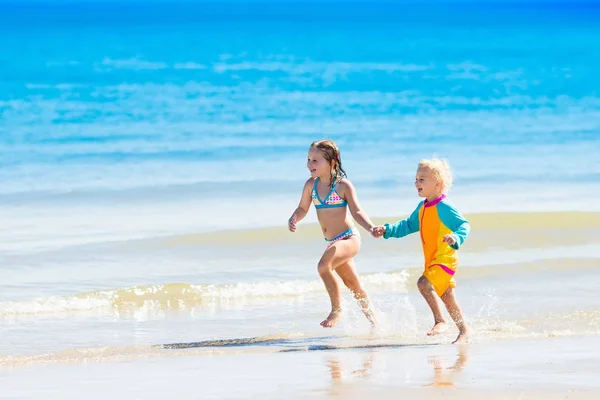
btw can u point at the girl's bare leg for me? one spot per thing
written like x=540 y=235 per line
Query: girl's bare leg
x=336 y=255
x=350 y=278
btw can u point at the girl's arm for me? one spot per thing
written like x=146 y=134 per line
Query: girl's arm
x=303 y=206
x=359 y=215
x=403 y=227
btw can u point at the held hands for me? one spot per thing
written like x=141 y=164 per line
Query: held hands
x=292 y=223
x=378 y=231
x=449 y=239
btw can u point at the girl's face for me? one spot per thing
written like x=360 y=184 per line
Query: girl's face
x=426 y=184
x=317 y=165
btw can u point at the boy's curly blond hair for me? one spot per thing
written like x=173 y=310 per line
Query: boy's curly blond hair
x=440 y=170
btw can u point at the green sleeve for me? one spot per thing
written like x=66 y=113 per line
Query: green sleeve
x=404 y=227
x=454 y=220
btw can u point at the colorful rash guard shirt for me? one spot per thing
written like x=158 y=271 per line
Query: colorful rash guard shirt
x=434 y=220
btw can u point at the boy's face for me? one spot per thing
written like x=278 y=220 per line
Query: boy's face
x=426 y=184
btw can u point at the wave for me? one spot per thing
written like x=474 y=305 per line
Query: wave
x=188 y=296
x=181 y=296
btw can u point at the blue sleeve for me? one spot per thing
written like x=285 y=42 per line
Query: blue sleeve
x=404 y=227
x=454 y=220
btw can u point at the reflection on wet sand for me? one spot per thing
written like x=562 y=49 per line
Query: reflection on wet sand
x=341 y=379
x=337 y=373
x=344 y=379
x=444 y=376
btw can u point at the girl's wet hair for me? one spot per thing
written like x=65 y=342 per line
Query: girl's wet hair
x=331 y=153
x=440 y=170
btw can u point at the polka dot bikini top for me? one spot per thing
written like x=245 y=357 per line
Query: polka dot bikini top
x=332 y=200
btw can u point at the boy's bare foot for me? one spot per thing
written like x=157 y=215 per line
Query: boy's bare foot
x=439 y=327
x=463 y=337
x=332 y=318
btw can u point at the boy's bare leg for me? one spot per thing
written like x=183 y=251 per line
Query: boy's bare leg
x=464 y=332
x=428 y=292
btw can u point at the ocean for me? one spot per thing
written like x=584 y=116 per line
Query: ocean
x=151 y=154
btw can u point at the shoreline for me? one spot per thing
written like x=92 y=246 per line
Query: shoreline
x=489 y=221
x=552 y=368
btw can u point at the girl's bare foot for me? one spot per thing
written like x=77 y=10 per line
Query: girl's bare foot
x=439 y=327
x=463 y=337
x=371 y=317
x=332 y=318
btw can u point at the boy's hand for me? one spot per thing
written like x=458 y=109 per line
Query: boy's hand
x=449 y=239
x=378 y=231
x=292 y=223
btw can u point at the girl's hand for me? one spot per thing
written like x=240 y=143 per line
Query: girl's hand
x=292 y=223
x=378 y=231
x=449 y=239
